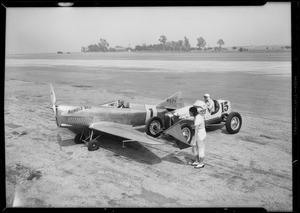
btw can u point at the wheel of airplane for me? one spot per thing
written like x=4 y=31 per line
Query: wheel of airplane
x=154 y=127
x=93 y=145
x=79 y=138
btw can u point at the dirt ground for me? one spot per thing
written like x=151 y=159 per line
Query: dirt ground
x=250 y=169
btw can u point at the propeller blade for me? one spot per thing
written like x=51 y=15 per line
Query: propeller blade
x=59 y=139
x=53 y=98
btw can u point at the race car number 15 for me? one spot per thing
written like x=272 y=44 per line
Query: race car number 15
x=224 y=106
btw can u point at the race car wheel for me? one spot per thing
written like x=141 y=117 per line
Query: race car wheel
x=154 y=126
x=79 y=138
x=233 y=123
x=93 y=145
x=187 y=132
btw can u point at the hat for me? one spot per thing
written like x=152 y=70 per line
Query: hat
x=199 y=104
x=206 y=95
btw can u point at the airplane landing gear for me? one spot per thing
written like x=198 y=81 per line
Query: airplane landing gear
x=79 y=138
x=92 y=142
x=93 y=145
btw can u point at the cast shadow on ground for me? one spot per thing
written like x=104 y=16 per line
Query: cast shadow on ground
x=225 y=132
x=214 y=128
x=131 y=150
x=67 y=142
x=135 y=150
x=217 y=127
x=179 y=158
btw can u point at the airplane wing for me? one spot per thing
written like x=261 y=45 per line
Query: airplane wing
x=124 y=131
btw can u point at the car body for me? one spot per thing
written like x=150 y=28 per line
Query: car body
x=222 y=114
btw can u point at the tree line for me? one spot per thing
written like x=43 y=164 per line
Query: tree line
x=164 y=45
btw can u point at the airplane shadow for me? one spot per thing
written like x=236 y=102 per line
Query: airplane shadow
x=179 y=158
x=132 y=150
x=135 y=150
x=67 y=142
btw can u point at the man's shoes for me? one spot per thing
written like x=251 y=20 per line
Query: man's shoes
x=199 y=165
x=195 y=163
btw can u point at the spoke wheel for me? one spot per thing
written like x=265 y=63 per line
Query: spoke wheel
x=154 y=127
x=79 y=138
x=93 y=145
x=186 y=131
x=233 y=123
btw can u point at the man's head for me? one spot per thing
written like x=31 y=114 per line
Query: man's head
x=206 y=97
x=193 y=111
x=120 y=102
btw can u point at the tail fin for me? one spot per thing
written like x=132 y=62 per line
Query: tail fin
x=175 y=101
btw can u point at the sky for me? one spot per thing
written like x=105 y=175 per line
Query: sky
x=46 y=30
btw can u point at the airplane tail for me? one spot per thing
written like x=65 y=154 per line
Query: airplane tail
x=175 y=101
x=53 y=99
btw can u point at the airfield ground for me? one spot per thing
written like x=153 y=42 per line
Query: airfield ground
x=250 y=169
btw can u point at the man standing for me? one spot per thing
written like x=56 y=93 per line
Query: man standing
x=210 y=104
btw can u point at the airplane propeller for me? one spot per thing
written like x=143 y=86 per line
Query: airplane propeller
x=53 y=99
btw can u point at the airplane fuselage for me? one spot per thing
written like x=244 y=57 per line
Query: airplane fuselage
x=84 y=116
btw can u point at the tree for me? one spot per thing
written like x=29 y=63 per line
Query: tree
x=220 y=43
x=103 y=45
x=163 y=40
x=93 y=48
x=174 y=44
x=201 y=43
x=180 y=44
x=82 y=49
x=187 y=43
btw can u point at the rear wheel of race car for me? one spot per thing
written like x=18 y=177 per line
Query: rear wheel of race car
x=154 y=126
x=79 y=138
x=233 y=123
x=93 y=145
x=187 y=132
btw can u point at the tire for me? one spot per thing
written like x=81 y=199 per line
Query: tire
x=187 y=132
x=154 y=127
x=93 y=145
x=79 y=138
x=233 y=123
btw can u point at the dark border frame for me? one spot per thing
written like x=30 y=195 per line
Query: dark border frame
x=295 y=9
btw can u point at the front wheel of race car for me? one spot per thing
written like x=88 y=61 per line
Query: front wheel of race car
x=233 y=123
x=187 y=132
x=154 y=127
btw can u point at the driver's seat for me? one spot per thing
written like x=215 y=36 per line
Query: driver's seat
x=217 y=107
x=127 y=105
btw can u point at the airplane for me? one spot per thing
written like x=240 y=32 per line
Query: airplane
x=89 y=123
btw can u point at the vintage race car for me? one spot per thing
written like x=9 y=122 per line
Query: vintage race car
x=222 y=114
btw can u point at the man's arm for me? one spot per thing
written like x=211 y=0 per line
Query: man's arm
x=209 y=105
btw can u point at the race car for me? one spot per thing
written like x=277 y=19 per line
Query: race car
x=222 y=114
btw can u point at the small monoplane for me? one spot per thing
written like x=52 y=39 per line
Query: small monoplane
x=89 y=123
